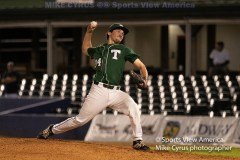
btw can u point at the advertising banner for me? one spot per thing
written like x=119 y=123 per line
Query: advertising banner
x=169 y=129
x=118 y=128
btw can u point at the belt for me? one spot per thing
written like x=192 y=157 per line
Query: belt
x=107 y=85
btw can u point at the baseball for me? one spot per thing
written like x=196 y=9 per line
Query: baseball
x=93 y=24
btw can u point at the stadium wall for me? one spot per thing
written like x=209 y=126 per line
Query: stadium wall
x=167 y=129
x=29 y=125
x=174 y=32
x=201 y=51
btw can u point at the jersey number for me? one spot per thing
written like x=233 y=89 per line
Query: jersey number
x=115 y=53
x=98 y=62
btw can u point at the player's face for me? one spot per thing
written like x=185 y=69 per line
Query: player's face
x=10 y=67
x=218 y=47
x=116 y=35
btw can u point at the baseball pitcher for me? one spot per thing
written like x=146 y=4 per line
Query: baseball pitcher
x=110 y=59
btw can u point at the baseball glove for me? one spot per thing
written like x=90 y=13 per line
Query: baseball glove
x=138 y=79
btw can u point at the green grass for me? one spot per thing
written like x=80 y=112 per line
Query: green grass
x=230 y=152
x=234 y=152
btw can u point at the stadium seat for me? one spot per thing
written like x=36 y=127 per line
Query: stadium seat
x=167 y=94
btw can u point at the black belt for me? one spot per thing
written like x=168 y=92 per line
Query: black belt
x=107 y=85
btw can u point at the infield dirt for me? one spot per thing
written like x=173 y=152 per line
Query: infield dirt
x=54 y=149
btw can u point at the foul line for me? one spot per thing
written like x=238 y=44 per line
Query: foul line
x=28 y=106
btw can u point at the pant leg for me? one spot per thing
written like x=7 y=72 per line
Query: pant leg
x=94 y=103
x=123 y=103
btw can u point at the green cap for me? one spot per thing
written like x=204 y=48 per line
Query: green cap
x=118 y=26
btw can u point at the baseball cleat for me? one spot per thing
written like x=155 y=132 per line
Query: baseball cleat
x=139 y=145
x=46 y=133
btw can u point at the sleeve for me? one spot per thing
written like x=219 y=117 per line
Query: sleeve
x=130 y=56
x=211 y=55
x=227 y=56
x=91 y=51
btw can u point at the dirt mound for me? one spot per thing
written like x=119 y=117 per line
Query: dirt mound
x=53 y=149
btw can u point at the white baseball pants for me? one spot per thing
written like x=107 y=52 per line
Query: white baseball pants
x=96 y=101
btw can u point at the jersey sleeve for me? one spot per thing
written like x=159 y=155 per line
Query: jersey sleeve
x=212 y=54
x=130 y=56
x=227 y=57
x=91 y=51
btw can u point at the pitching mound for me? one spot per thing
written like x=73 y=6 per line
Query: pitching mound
x=52 y=149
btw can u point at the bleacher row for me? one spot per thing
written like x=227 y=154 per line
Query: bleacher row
x=167 y=95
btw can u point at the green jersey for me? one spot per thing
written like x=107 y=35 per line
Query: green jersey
x=110 y=60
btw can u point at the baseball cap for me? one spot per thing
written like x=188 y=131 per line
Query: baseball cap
x=118 y=26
